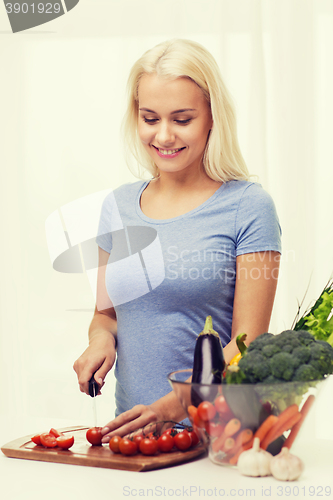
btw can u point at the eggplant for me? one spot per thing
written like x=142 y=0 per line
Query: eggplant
x=208 y=365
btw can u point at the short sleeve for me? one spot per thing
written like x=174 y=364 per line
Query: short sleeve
x=257 y=224
x=109 y=222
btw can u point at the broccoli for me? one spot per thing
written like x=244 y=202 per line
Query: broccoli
x=293 y=359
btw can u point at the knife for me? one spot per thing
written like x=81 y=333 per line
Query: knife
x=93 y=391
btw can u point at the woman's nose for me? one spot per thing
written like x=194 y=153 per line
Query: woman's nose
x=165 y=134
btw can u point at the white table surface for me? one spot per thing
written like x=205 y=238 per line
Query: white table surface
x=27 y=479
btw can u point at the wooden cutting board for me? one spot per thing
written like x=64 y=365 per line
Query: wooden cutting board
x=82 y=453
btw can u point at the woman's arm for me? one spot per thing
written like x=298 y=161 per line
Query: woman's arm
x=256 y=281
x=99 y=357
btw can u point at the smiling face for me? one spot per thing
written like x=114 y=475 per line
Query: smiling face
x=174 y=122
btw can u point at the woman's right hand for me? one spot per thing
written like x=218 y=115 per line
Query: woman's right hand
x=97 y=359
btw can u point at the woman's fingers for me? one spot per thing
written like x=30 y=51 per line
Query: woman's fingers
x=97 y=359
x=129 y=421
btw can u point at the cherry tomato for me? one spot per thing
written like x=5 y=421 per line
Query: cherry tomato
x=138 y=438
x=128 y=447
x=171 y=431
x=48 y=440
x=214 y=429
x=152 y=435
x=195 y=438
x=94 y=436
x=36 y=439
x=206 y=411
x=223 y=408
x=149 y=446
x=114 y=444
x=183 y=440
x=165 y=442
x=65 y=441
x=55 y=433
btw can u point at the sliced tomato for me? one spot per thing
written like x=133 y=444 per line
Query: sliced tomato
x=48 y=440
x=36 y=439
x=65 y=441
x=55 y=433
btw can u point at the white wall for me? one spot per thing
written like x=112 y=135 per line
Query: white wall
x=62 y=89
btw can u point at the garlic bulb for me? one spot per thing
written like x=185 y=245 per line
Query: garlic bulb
x=285 y=466
x=255 y=462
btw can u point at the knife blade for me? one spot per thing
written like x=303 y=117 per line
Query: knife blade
x=93 y=391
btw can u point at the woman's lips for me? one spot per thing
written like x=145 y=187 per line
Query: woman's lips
x=168 y=153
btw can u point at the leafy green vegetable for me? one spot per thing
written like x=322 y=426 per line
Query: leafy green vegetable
x=318 y=319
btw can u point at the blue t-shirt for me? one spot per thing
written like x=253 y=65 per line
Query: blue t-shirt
x=165 y=276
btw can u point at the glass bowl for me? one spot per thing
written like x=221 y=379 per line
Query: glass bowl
x=250 y=404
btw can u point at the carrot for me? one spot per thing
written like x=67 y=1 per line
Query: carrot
x=265 y=427
x=229 y=443
x=295 y=429
x=194 y=417
x=242 y=438
x=234 y=459
x=231 y=428
x=192 y=411
x=285 y=421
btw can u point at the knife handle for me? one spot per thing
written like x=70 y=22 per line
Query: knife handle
x=93 y=387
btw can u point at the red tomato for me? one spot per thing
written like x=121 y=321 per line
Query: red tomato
x=94 y=436
x=114 y=444
x=55 y=433
x=65 y=441
x=36 y=439
x=152 y=435
x=165 y=442
x=183 y=440
x=149 y=446
x=128 y=447
x=214 y=429
x=206 y=411
x=171 y=431
x=48 y=440
x=138 y=438
x=223 y=408
x=195 y=438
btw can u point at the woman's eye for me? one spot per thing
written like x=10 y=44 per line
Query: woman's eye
x=183 y=122
x=150 y=120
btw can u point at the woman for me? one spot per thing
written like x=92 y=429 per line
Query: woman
x=218 y=233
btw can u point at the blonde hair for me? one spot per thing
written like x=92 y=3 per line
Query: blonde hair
x=179 y=58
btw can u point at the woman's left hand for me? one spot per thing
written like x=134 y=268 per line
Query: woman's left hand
x=166 y=408
x=130 y=421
